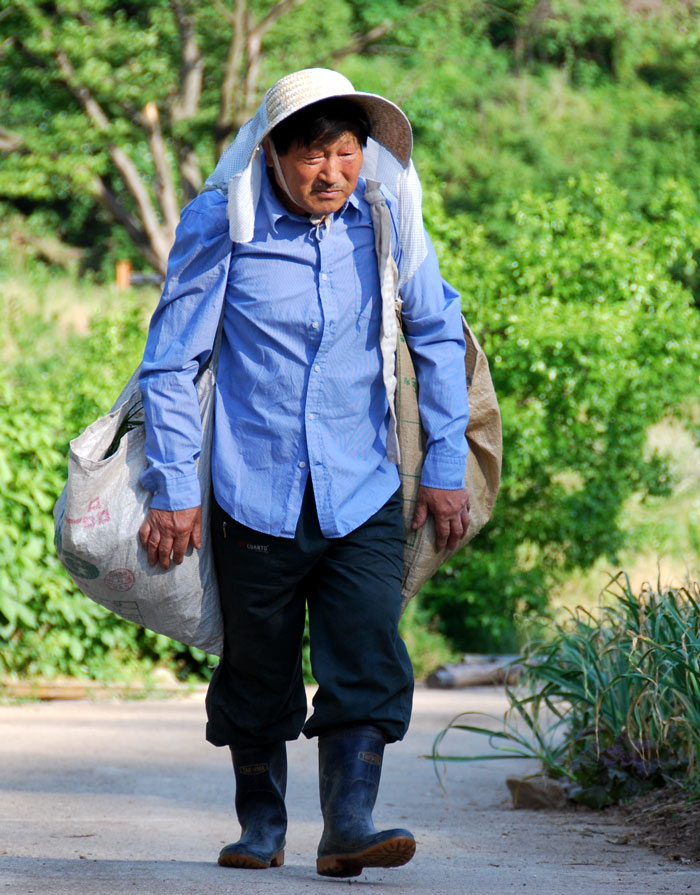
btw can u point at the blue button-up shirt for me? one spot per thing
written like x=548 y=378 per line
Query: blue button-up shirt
x=299 y=385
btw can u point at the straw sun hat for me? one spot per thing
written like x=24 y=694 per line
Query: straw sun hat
x=388 y=124
x=386 y=158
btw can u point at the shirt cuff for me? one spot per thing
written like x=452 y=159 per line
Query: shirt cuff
x=181 y=493
x=445 y=471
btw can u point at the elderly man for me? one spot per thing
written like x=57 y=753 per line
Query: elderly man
x=279 y=252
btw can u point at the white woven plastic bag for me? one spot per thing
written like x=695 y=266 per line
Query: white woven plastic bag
x=101 y=509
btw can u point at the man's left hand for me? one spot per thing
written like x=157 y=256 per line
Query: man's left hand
x=450 y=509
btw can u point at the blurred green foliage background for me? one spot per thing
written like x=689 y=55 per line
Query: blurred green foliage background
x=558 y=145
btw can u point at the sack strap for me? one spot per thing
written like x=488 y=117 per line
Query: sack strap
x=389 y=284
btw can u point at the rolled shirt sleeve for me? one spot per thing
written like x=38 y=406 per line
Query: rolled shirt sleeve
x=180 y=340
x=433 y=328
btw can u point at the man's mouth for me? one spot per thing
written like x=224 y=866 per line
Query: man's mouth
x=327 y=191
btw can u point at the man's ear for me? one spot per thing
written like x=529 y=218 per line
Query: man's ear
x=268 y=154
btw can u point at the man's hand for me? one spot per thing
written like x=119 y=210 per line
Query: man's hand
x=170 y=532
x=450 y=509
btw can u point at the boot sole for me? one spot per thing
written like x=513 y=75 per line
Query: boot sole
x=247 y=862
x=393 y=853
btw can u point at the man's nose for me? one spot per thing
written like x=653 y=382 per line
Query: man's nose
x=330 y=170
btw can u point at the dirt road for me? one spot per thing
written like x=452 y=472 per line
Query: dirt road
x=126 y=797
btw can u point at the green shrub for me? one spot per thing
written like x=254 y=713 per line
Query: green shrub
x=591 y=339
x=47 y=626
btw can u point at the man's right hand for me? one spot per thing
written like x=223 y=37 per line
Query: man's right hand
x=167 y=533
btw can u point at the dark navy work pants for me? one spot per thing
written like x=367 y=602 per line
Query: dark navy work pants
x=352 y=586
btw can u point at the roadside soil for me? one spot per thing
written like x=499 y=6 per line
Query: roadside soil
x=106 y=797
x=666 y=821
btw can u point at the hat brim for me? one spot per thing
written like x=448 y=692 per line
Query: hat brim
x=389 y=126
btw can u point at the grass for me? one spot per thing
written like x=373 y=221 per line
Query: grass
x=43 y=307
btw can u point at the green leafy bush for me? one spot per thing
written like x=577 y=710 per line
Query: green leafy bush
x=47 y=626
x=591 y=339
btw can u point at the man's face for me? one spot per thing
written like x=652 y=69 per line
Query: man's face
x=321 y=177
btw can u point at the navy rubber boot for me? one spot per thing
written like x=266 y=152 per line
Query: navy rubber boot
x=350 y=766
x=261 y=783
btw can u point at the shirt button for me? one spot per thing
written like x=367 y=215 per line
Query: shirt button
x=324 y=276
x=315 y=324
x=317 y=368
x=312 y=416
x=301 y=464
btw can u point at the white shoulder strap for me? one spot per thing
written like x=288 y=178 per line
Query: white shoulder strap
x=389 y=282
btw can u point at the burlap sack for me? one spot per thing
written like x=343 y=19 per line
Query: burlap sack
x=483 y=473
x=100 y=511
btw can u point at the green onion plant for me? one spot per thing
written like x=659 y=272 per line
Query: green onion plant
x=608 y=702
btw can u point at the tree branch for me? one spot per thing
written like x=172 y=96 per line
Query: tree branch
x=9 y=140
x=256 y=33
x=186 y=104
x=82 y=94
x=278 y=10
x=252 y=73
x=159 y=241
x=361 y=41
x=190 y=173
x=230 y=85
x=165 y=188
x=126 y=219
x=239 y=91
x=226 y=13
